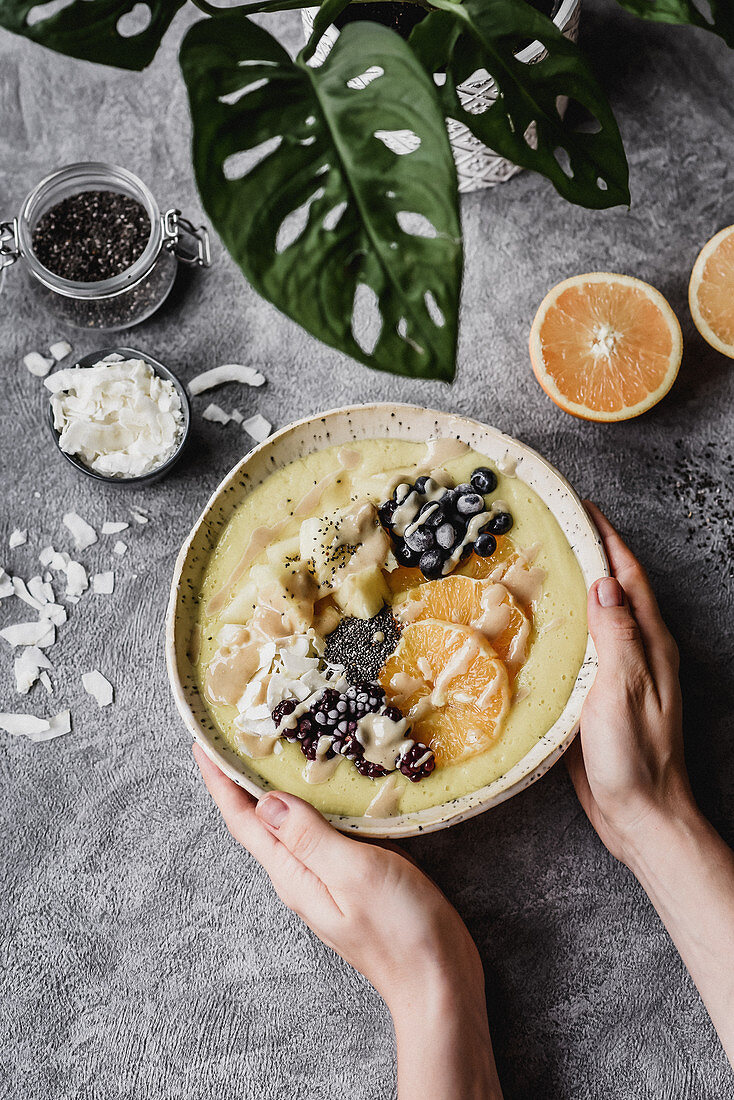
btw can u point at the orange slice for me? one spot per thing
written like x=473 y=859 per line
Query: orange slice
x=605 y=347
x=483 y=605
x=452 y=686
x=711 y=292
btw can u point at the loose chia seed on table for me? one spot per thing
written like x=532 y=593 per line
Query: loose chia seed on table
x=92 y=236
x=356 y=644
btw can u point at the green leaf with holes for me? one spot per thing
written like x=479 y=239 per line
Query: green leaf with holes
x=88 y=29
x=295 y=170
x=719 y=20
x=586 y=168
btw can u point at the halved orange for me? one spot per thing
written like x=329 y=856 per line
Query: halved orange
x=452 y=686
x=711 y=292
x=483 y=605
x=605 y=347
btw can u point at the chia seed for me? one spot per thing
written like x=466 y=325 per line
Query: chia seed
x=353 y=645
x=92 y=236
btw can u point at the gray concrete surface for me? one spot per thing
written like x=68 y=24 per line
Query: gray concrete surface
x=141 y=953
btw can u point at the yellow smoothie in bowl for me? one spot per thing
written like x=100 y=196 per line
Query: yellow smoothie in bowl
x=391 y=628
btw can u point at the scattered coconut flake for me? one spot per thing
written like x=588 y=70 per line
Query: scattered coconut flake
x=237 y=416
x=114 y=528
x=103 y=584
x=139 y=517
x=76 y=579
x=18 y=538
x=60 y=350
x=19 y=587
x=217 y=415
x=46 y=556
x=6 y=584
x=119 y=548
x=228 y=372
x=54 y=612
x=46 y=681
x=36 y=729
x=41 y=590
x=41 y=633
x=27 y=668
x=257 y=427
x=36 y=494
x=98 y=686
x=37 y=364
x=82 y=532
x=119 y=417
x=114 y=357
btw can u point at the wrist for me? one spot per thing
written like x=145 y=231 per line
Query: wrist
x=663 y=829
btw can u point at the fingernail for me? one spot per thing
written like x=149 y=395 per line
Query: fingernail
x=272 y=810
x=609 y=592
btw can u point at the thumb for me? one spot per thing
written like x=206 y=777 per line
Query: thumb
x=613 y=629
x=305 y=833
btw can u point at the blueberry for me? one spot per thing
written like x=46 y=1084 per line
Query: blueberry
x=446 y=536
x=437 y=516
x=448 y=498
x=431 y=564
x=402 y=492
x=471 y=504
x=421 y=539
x=423 y=483
x=406 y=556
x=386 y=512
x=500 y=523
x=464 y=488
x=484 y=480
x=485 y=545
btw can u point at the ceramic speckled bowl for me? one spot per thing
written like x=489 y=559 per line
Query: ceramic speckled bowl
x=405 y=422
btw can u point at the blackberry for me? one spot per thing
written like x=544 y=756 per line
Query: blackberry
x=484 y=480
x=366 y=767
x=417 y=763
x=283 y=709
x=364 y=698
x=393 y=714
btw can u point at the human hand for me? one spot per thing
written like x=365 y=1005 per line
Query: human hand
x=376 y=909
x=627 y=766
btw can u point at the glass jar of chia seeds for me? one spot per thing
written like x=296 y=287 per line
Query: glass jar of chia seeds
x=97 y=251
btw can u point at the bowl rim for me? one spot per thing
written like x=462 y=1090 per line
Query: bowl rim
x=90 y=360
x=521 y=775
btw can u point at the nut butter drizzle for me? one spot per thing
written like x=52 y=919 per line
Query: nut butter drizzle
x=263 y=536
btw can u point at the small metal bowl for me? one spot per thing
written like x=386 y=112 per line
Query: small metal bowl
x=163 y=372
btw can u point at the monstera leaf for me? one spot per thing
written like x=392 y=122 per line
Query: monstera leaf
x=587 y=168
x=721 y=12
x=333 y=187
x=107 y=31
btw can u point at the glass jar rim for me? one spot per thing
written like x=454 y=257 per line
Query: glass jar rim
x=90 y=174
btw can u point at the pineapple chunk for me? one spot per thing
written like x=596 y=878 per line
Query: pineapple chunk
x=362 y=594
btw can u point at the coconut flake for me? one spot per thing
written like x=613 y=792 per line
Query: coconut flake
x=214 y=413
x=60 y=350
x=103 y=584
x=37 y=364
x=36 y=729
x=114 y=528
x=54 y=612
x=6 y=584
x=45 y=679
x=119 y=548
x=257 y=427
x=228 y=372
x=76 y=579
x=82 y=532
x=98 y=686
x=19 y=587
x=27 y=668
x=237 y=416
x=41 y=633
x=18 y=538
x=41 y=590
x=139 y=517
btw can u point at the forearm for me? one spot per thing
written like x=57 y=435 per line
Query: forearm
x=443 y=1044
x=687 y=871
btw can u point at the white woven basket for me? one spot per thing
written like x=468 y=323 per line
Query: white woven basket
x=476 y=165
